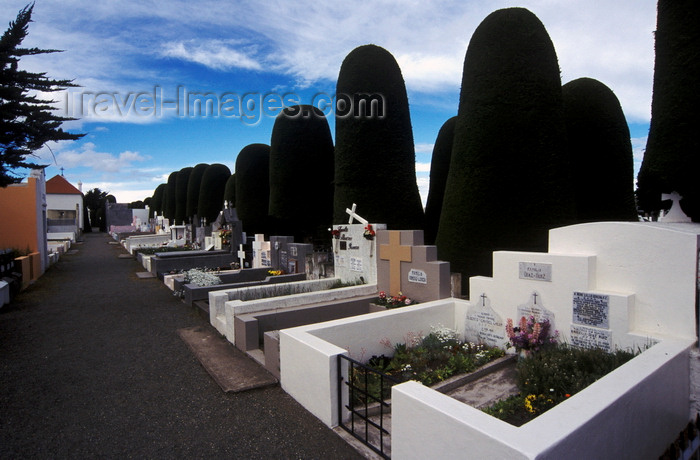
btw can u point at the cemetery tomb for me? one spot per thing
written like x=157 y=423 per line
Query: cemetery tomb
x=355 y=256
x=610 y=285
x=261 y=252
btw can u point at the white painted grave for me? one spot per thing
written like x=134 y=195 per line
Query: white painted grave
x=355 y=256
x=261 y=252
x=626 y=285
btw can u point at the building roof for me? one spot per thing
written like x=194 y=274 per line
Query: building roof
x=59 y=185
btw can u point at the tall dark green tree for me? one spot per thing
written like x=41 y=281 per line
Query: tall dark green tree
x=193 y=187
x=27 y=122
x=181 y=182
x=439 y=167
x=253 y=187
x=374 y=154
x=301 y=156
x=230 y=191
x=507 y=184
x=94 y=201
x=157 y=201
x=211 y=191
x=170 y=197
x=600 y=152
x=672 y=158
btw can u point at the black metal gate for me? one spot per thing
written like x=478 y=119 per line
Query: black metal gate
x=365 y=391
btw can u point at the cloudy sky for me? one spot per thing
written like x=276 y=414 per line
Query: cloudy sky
x=137 y=61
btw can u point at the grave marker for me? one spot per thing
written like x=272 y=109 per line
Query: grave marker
x=484 y=325
x=241 y=255
x=353 y=215
x=408 y=266
x=261 y=252
x=354 y=255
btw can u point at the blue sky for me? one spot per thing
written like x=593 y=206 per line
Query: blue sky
x=134 y=59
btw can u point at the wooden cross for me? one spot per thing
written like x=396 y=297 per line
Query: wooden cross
x=395 y=254
x=353 y=215
x=483 y=299
x=534 y=294
x=241 y=255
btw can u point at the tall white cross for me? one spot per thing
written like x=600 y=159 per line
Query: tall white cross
x=241 y=255
x=353 y=215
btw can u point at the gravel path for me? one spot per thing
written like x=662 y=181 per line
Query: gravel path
x=91 y=366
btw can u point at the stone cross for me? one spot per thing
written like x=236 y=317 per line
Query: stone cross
x=534 y=295
x=395 y=254
x=241 y=255
x=483 y=299
x=353 y=215
x=675 y=214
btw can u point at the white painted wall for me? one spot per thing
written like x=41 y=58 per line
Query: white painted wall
x=66 y=202
x=633 y=412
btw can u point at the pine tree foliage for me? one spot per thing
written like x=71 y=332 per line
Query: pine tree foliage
x=230 y=191
x=27 y=122
x=375 y=161
x=211 y=191
x=600 y=152
x=301 y=147
x=508 y=178
x=157 y=201
x=253 y=187
x=193 y=187
x=170 y=197
x=672 y=157
x=181 y=182
x=439 y=167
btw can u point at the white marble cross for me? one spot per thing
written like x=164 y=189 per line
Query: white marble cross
x=353 y=215
x=241 y=255
x=675 y=214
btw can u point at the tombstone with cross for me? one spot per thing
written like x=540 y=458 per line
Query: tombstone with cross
x=408 y=266
x=355 y=249
x=261 y=252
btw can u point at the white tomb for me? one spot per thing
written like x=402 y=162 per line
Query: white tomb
x=261 y=252
x=616 y=285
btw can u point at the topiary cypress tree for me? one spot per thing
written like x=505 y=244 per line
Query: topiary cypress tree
x=183 y=177
x=672 y=158
x=193 y=187
x=211 y=191
x=157 y=200
x=170 y=197
x=253 y=187
x=507 y=183
x=439 y=167
x=301 y=149
x=230 y=190
x=600 y=152
x=374 y=153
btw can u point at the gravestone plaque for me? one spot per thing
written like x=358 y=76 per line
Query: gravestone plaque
x=484 y=325
x=356 y=264
x=535 y=271
x=535 y=307
x=591 y=337
x=417 y=276
x=591 y=309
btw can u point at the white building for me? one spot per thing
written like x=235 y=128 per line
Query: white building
x=64 y=207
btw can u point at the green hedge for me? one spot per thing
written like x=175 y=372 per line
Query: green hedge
x=253 y=187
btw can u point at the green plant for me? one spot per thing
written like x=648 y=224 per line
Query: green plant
x=551 y=376
x=211 y=191
x=193 y=186
x=253 y=187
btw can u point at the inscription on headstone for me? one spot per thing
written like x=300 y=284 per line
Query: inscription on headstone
x=284 y=259
x=417 y=276
x=484 y=325
x=535 y=308
x=590 y=337
x=535 y=271
x=356 y=264
x=591 y=309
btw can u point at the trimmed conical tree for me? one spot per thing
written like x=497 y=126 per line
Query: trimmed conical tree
x=301 y=149
x=600 y=152
x=507 y=184
x=253 y=187
x=211 y=191
x=170 y=197
x=439 y=167
x=157 y=200
x=193 y=187
x=230 y=190
x=672 y=158
x=374 y=154
x=183 y=177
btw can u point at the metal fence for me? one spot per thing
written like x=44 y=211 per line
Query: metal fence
x=687 y=445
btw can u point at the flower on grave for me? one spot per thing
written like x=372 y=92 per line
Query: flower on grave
x=530 y=335
x=399 y=300
x=225 y=236
x=369 y=232
x=335 y=233
x=275 y=272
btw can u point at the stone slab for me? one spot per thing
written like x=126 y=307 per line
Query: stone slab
x=144 y=275
x=230 y=368
x=126 y=256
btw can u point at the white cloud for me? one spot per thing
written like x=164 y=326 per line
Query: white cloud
x=424 y=148
x=422 y=167
x=86 y=156
x=215 y=54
